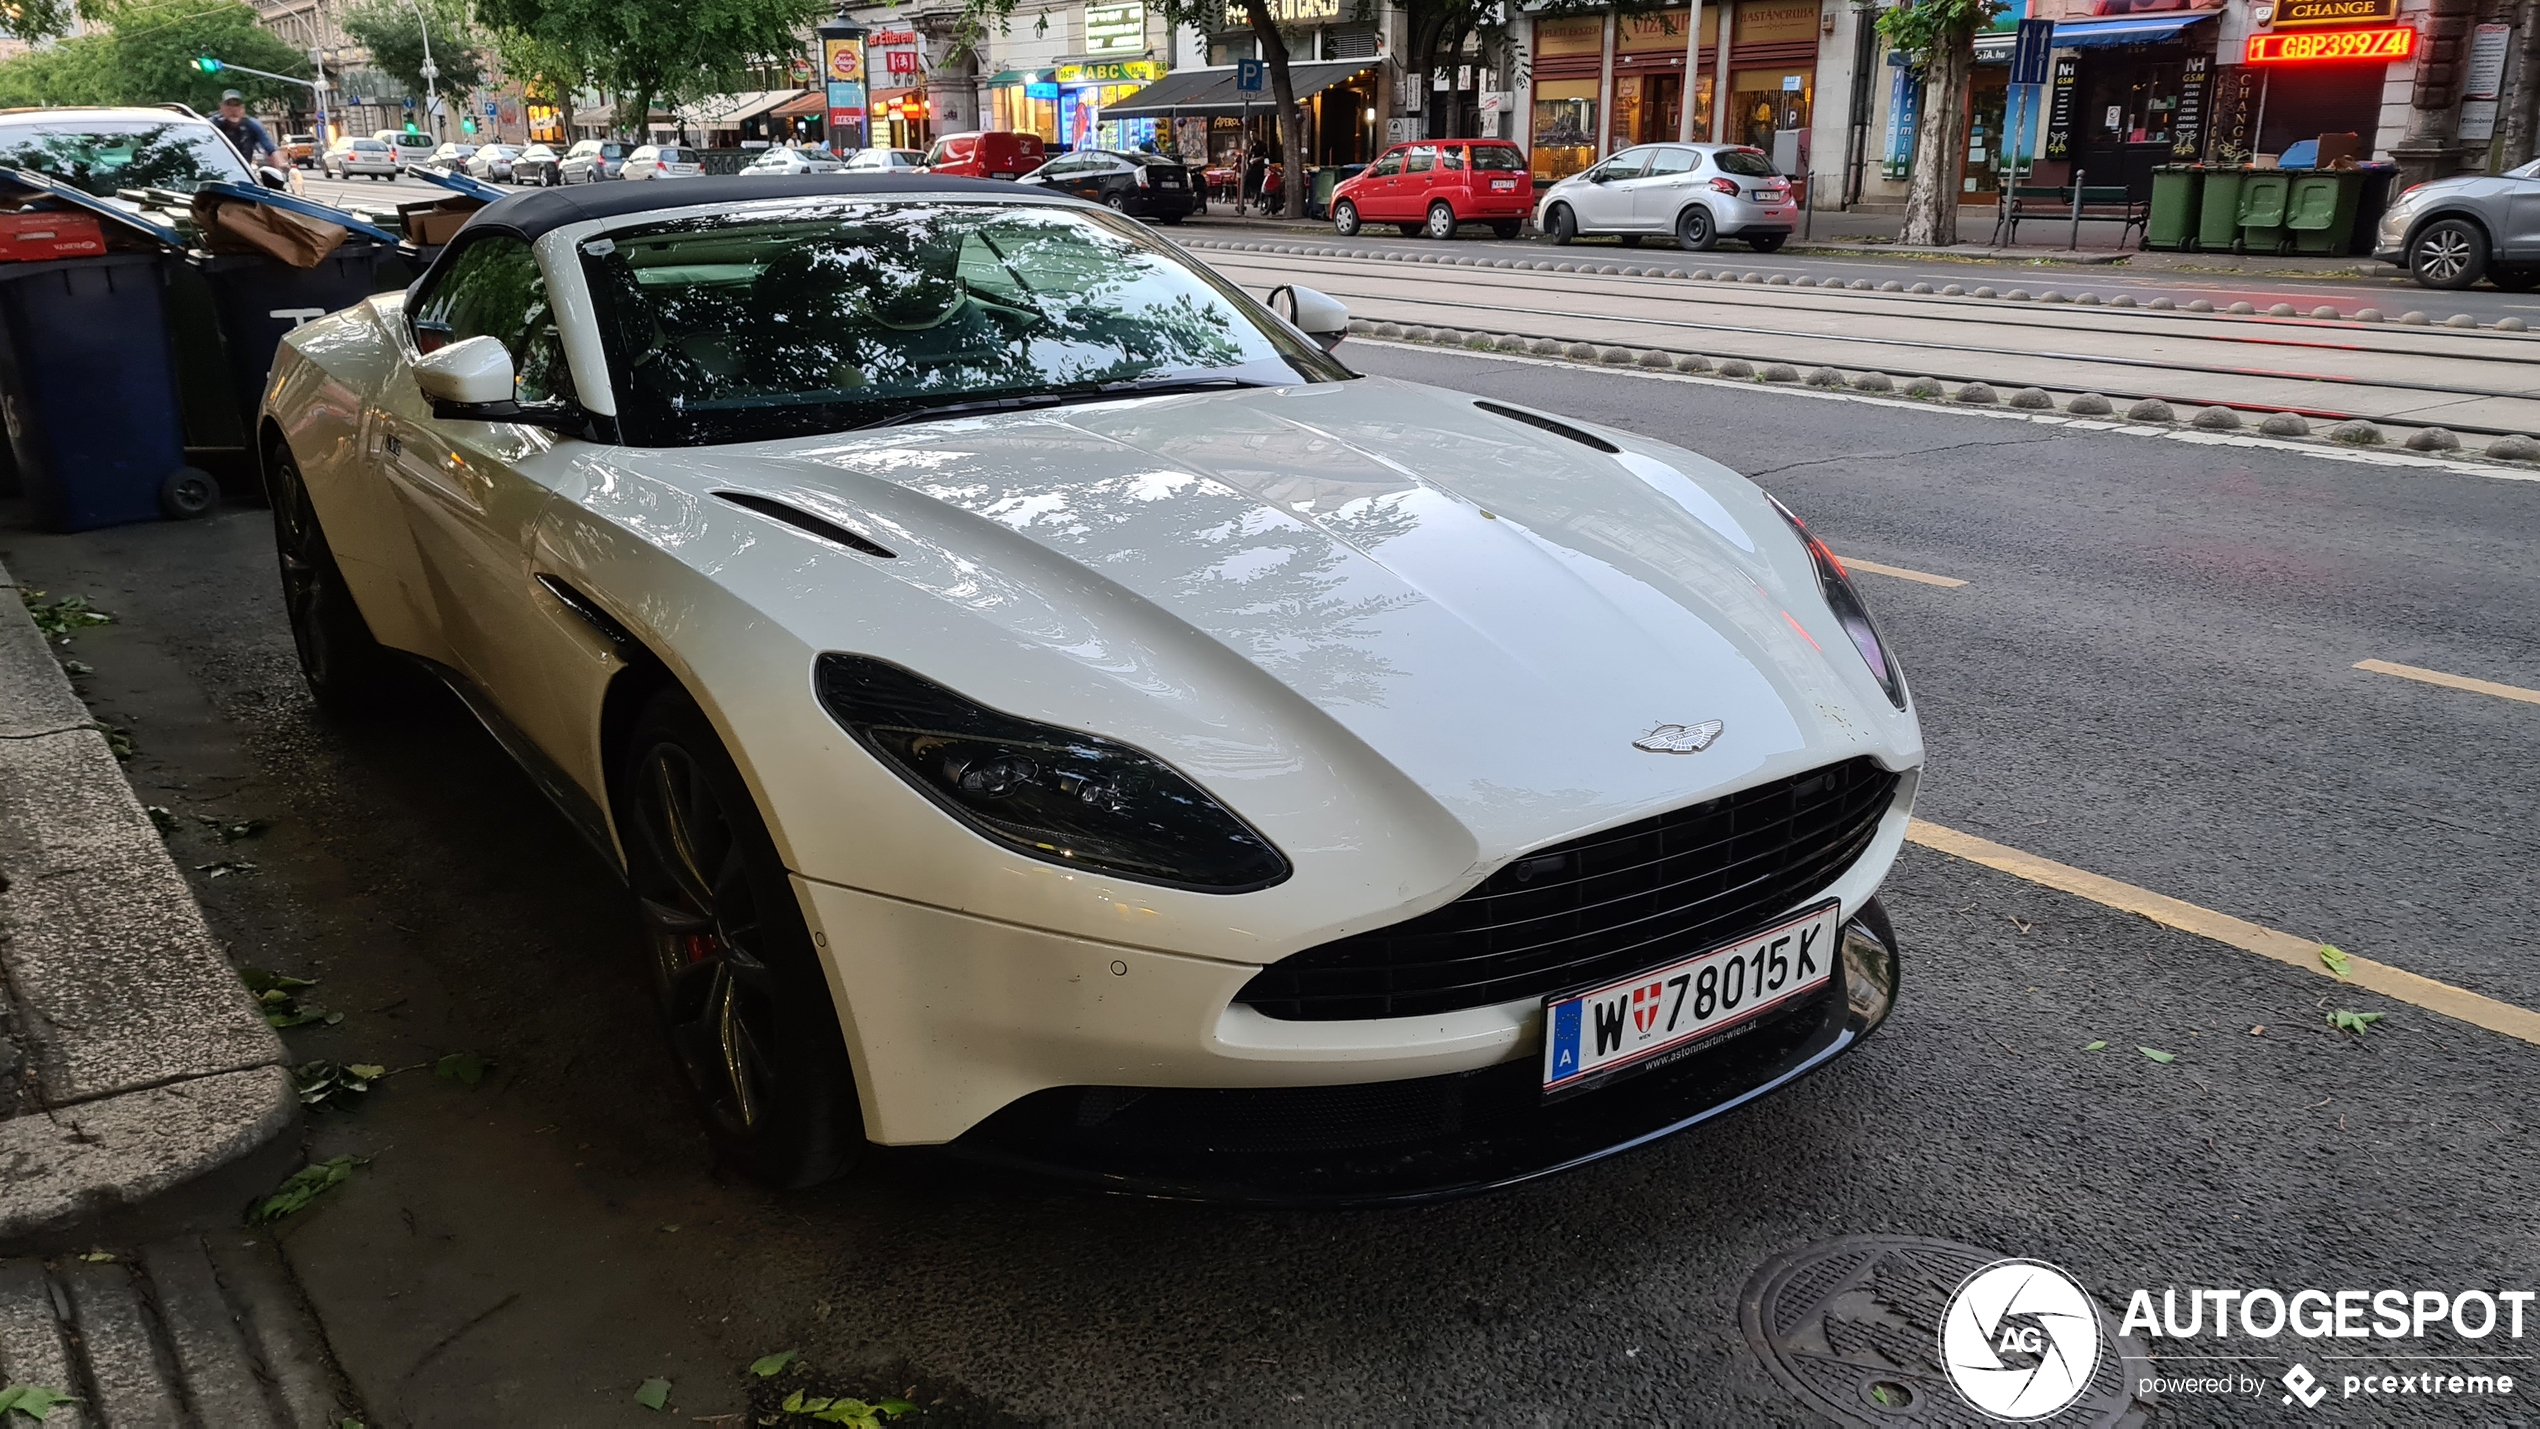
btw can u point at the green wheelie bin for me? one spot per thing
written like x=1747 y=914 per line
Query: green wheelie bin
x=2218 y=212
x=2176 y=188
x=2262 y=203
x=2320 y=209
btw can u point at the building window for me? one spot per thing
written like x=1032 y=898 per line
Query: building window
x=1564 y=127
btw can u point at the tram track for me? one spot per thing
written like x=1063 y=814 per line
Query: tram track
x=2404 y=375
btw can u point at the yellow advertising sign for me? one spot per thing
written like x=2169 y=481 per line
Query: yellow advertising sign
x=842 y=61
x=1764 y=22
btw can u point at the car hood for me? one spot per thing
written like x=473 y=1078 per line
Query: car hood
x=1496 y=610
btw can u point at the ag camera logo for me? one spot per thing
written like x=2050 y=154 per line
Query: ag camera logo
x=2020 y=1340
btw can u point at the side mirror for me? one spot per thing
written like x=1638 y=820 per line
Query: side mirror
x=1319 y=317
x=470 y=373
x=272 y=178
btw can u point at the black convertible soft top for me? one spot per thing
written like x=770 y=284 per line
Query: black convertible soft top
x=536 y=211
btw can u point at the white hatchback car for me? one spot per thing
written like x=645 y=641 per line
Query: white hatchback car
x=886 y=161
x=784 y=160
x=370 y=158
x=1697 y=194
x=663 y=161
x=1170 y=760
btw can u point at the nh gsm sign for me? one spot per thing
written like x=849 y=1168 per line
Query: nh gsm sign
x=2396 y=42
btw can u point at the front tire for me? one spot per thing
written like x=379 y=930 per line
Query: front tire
x=749 y=1012
x=350 y=674
x=2449 y=253
x=1442 y=221
x=1563 y=225
x=1345 y=219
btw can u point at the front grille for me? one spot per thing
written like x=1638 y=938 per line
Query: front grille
x=1597 y=907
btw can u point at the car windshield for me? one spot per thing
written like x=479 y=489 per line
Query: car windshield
x=789 y=321
x=104 y=155
x=1744 y=162
x=1499 y=158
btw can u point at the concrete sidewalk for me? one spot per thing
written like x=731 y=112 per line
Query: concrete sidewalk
x=146 y=1102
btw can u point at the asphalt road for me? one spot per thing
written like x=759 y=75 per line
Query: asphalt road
x=2146 y=675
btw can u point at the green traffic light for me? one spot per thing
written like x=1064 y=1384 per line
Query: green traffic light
x=207 y=64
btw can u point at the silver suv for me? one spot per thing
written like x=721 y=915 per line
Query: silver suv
x=2452 y=232
x=1696 y=193
x=591 y=161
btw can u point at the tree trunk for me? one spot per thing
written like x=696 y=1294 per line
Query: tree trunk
x=1940 y=150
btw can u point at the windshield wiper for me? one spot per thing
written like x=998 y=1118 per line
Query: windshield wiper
x=1132 y=387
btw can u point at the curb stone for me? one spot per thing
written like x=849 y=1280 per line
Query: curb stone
x=160 y=1097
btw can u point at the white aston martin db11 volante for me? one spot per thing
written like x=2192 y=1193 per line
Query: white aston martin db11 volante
x=1043 y=703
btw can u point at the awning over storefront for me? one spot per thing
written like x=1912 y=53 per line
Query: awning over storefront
x=1005 y=77
x=726 y=111
x=807 y=104
x=1205 y=93
x=2128 y=30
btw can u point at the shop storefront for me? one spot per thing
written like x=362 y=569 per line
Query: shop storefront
x=1087 y=88
x=900 y=113
x=2316 y=70
x=1199 y=110
x=1589 y=99
x=2137 y=93
x=804 y=120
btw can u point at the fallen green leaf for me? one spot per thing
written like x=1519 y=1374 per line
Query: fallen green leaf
x=32 y=1400
x=2355 y=1022
x=770 y=1366
x=654 y=1394
x=306 y=1185
x=2337 y=962
x=78 y=667
x=63 y=616
x=465 y=1067
x=896 y=1407
x=230 y=831
x=367 y=1071
x=259 y=980
x=118 y=740
x=99 y=1257
x=322 y=1083
x=2157 y=1055
x=2094 y=1046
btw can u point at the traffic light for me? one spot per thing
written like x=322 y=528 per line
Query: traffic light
x=467 y=126
x=207 y=64
x=410 y=127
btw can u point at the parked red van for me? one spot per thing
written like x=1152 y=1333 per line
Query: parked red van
x=1436 y=186
x=996 y=154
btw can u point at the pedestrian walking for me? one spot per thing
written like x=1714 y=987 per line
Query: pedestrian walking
x=1256 y=167
x=243 y=133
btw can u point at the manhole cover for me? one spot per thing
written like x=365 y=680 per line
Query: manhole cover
x=1852 y=1327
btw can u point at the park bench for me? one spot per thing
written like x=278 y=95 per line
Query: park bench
x=2050 y=195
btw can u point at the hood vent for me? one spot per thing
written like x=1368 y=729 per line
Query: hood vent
x=806 y=522
x=1558 y=429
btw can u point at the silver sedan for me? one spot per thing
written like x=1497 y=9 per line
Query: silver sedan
x=2452 y=232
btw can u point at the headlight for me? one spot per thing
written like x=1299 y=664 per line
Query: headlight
x=1055 y=794
x=1849 y=612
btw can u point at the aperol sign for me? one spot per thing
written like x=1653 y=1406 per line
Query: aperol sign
x=2326 y=46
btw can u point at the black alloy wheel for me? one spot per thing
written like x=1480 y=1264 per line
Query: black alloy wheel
x=1563 y=226
x=1345 y=219
x=739 y=982
x=1694 y=231
x=350 y=674
x=1442 y=221
x=2448 y=253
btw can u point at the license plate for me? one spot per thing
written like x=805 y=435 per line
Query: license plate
x=1503 y=186
x=1652 y=1017
x=1170 y=183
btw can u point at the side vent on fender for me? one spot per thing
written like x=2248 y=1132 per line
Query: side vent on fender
x=805 y=522
x=1558 y=429
x=582 y=605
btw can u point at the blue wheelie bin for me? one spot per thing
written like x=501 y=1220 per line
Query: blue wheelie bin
x=259 y=298
x=89 y=388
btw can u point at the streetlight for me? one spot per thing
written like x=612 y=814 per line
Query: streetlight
x=430 y=71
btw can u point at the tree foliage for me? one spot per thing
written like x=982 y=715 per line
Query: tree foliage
x=394 y=31
x=144 y=53
x=648 y=51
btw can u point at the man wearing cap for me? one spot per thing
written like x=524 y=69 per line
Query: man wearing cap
x=244 y=134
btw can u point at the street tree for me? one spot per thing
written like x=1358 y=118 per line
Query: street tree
x=394 y=32
x=1939 y=38
x=656 y=50
x=144 y=52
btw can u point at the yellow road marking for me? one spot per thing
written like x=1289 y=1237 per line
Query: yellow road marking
x=2451 y=682
x=2519 y=1023
x=1900 y=573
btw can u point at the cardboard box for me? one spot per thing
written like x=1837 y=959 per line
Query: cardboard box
x=430 y=225
x=38 y=235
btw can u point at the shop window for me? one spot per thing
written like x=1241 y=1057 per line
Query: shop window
x=1763 y=101
x=1564 y=127
x=2131 y=104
